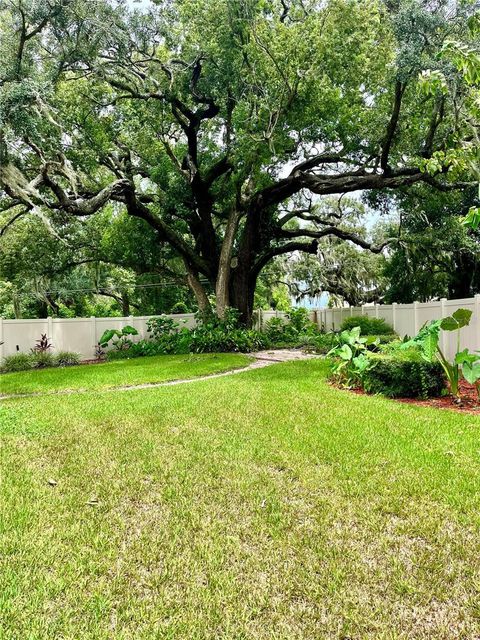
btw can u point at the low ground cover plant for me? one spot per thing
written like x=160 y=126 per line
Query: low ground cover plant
x=38 y=360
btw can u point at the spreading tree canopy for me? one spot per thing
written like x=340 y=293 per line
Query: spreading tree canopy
x=221 y=123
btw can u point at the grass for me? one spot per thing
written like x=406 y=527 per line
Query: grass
x=264 y=506
x=120 y=373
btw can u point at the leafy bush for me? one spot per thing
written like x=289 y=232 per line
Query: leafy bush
x=180 y=307
x=379 y=342
x=300 y=321
x=123 y=341
x=42 y=359
x=368 y=326
x=428 y=339
x=349 y=357
x=323 y=342
x=215 y=339
x=403 y=375
x=17 y=362
x=297 y=331
x=160 y=326
x=66 y=359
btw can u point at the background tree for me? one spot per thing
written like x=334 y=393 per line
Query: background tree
x=204 y=118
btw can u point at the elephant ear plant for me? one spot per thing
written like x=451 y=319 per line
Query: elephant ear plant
x=429 y=341
x=350 y=357
x=123 y=340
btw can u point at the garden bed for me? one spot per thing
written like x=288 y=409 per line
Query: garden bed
x=469 y=401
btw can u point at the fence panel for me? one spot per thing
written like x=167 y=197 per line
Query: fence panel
x=82 y=334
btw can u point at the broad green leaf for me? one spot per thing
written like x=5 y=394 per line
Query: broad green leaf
x=345 y=352
x=471 y=372
x=459 y=319
x=430 y=345
x=129 y=331
x=465 y=357
x=463 y=317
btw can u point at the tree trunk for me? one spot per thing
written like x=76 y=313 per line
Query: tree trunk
x=204 y=306
x=125 y=304
x=222 y=287
x=242 y=291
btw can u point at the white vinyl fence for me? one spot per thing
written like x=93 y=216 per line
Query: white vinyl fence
x=71 y=334
x=408 y=319
x=82 y=334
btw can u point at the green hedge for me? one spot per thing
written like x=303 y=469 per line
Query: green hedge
x=368 y=326
x=404 y=375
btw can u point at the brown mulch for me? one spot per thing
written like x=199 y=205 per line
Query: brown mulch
x=468 y=403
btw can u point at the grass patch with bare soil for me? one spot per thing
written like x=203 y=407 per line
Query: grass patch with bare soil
x=263 y=505
x=107 y=375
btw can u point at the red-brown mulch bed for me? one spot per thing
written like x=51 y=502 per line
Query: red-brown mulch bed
x=469 y=401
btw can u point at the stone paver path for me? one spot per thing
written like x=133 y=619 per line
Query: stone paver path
x=262 y=359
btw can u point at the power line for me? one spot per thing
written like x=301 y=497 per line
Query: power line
x=98 y=291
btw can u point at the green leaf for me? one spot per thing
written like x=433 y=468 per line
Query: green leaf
x=345 y=352
x=464 y=357
x=458 y=320
x=129 y=331
x=430 y=345
x=107 y=336
x=471 y=372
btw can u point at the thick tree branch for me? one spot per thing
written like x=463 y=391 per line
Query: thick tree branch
x=392 y=125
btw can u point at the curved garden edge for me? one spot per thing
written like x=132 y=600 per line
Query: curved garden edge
x=468 y=404
x=260 y=360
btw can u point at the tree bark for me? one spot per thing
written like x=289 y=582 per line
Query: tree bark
x=222 y=287
x=242 y=292
x=204 y=306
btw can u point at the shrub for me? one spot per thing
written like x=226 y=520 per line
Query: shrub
x=205 y=339
x=123 y=341
x=379 y=342
x=297 y=331
x=404 y=375
x=180 y=307
x=17 y=362
x=323 y=342
x=42 y=360
x=368 y=326
x=66 y=358
x=157 y=327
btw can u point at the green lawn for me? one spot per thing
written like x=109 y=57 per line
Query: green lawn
x=120 y=373
x=260 y=506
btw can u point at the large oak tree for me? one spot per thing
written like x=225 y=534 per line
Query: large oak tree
x=217 y=121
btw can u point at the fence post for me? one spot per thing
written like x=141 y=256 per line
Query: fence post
x=376 y=309
x=363 y=309
x=1 y=339
x=394 y=316
x=416 y=328
x=443 y=313
x=50 y=330
x=93 y=329
x=477 y=321
x=351 y=310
